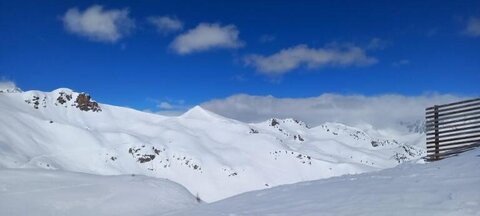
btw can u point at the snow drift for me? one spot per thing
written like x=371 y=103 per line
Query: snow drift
x=44 y=192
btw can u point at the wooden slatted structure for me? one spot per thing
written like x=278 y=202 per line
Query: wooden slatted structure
x=452 y=128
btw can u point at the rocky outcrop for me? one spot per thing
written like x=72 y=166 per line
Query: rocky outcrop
x=274 y=122
x=63 y=98
x=84 y=103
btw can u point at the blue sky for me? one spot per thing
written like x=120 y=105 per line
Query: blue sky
x=177 y=53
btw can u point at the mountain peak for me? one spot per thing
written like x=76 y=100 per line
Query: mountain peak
x=287 y=121
x=63 y=90
x=198 y=112
x=10 y=89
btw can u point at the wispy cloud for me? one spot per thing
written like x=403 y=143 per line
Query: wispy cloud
x=165 y=112
x=7 y=84
x=166 y=24
x=172 y=107
x=473 y=27
x=168 y=106
x=98 y=24
x=207 y=36
x=382 y=111
x=401 y=62
x=165 y=105
x=377 y=44
x=292 y=58
x=267 y=38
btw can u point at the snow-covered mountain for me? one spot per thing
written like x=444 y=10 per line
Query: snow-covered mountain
x=447 y=187
x=418 y=126
x=10 y=89
x=212 y=156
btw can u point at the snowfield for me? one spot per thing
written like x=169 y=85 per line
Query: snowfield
x=43 y=192
x=447 y=187
x=212 y=156
x=62 y=153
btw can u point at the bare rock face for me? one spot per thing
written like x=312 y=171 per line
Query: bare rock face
x=84 y=103
x=63 y=98
x=274 y=122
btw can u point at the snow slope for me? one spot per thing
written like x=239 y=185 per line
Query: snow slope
x=447 y=187
x=212 y=156
x=44 y=192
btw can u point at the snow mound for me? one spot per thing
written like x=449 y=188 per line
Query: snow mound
x=41 y=192
x=447 y=187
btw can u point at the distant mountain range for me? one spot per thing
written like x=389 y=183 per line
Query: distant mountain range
x=212 y=156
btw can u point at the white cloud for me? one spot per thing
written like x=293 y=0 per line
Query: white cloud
x=473 y=27
x=165 y=105
x=291 y=58
x=172 y=107
x=168 y=105
x=6 y=84
x=98 y=24
x=166 y=24
x=205 y=37
x=383 y=111
x=165 y=112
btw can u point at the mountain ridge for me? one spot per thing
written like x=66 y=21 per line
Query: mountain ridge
x=211 y=155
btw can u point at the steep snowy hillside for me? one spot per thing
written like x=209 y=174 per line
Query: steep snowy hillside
x=212 y=156
x=447 y=187
x=43 y=192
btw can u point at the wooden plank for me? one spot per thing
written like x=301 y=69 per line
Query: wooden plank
x=440 y=156
x=453 y=125
x=454 y=134
x=452 y=152
x=457 y=138
x=453 y=121
x=454 y=130
x=437 y=147
x=473 y=145
x=451 y=108
x=455 y=112
x=454 y=143
x=453 y=104
x=456 y=147
x=454 y=117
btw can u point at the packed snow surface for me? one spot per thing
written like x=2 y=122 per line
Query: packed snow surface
x=212 y=156
x=447 y=187
x=44 y=192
